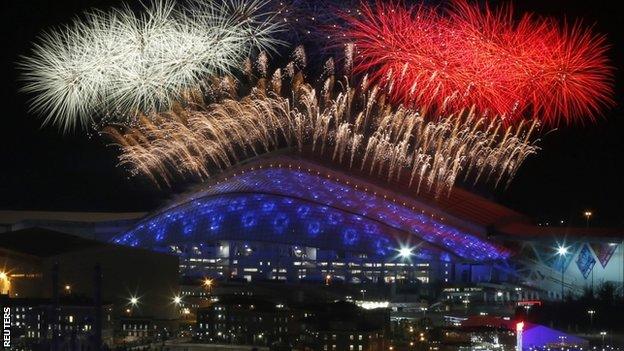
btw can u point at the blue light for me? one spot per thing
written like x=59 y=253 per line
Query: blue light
x=349 y=237
x=249 y=219
x=313 y=210
x=314 y=228
x=280 y=223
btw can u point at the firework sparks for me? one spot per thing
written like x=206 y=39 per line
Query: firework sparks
x=116 y=64
x=346 y=123
x=470 y=56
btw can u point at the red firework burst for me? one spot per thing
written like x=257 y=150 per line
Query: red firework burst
x=465 y=56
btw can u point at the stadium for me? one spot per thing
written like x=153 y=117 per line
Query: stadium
x=282 y=217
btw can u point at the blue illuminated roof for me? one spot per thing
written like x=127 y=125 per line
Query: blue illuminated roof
x=301 y=206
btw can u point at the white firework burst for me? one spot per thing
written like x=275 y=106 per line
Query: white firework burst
x=120 y=63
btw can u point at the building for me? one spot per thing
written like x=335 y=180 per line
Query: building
x=344 y=326
x=245 y=320
x=283 y=218
x=33 y=258
x=41 y=266
x=39 y=323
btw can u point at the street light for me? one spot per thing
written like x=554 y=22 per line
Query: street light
x=363 y=291
x=5 y=283
x=587 y=215
x=603 y=334
x=591 y=317
x=177 y=300
x=134 y=301
x=562 y=251
x=208 y=285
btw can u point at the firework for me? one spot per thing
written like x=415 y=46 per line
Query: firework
x=118 y=63
x=464 y=55
x=345 y=122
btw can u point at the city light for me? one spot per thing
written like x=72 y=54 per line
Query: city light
x=588 y=215
x=134 y=300
x=177 y=300
x=5 y=283
x=591 y=316
x=519 y=329
x=562 y=251
x=405 y=252
x=208 y=284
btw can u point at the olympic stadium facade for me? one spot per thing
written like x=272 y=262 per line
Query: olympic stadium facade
x=285 y=218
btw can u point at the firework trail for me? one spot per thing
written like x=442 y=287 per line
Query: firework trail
x=346 y=122
x=119 y=63
x=463 y=55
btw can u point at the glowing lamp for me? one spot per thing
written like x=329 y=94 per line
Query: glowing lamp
x=405 y=252
x=562 y=250
x=519 y=328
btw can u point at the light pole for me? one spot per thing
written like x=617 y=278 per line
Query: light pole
x=363 y=292
x=519 y=330
x=208 y=285
x=591 y=318
x=133 y=301
x=587 y=215
x=562 y=252
x=603 y=334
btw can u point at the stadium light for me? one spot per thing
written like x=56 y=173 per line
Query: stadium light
x=405 y=252
x=562 y=251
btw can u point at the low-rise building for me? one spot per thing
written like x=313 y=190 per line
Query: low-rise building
x=69 y=324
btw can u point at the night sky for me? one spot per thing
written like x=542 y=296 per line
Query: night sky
x=579 y=167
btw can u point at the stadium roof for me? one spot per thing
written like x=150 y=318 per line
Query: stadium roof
x=12 y=217
x=316 y=206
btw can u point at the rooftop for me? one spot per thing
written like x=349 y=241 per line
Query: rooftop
x=44 y=242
